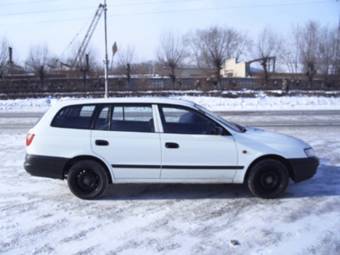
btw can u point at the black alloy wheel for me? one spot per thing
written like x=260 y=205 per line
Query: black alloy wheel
x=268 y=178
x=87 y=179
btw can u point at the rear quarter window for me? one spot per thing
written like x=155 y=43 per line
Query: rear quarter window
x=75 y=116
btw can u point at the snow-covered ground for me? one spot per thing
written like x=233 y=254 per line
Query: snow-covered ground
x=267 y=103
x=40 y=216
x=261 y=102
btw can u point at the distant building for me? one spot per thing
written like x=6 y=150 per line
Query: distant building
x=194 y=72
x=232 y=68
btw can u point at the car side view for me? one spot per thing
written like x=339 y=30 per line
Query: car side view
x=96 y=142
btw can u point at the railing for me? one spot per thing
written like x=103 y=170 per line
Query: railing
x=34 y=86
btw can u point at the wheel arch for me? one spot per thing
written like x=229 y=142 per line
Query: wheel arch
x=72 y=161
x=269 y=156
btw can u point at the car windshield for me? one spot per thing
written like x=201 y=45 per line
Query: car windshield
x=234 y=126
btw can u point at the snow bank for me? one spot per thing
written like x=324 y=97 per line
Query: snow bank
x=267 y=103
x=261 y=102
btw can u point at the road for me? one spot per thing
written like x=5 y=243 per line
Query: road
x=41 y=216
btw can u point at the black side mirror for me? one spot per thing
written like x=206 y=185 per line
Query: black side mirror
x=220 y=130
x=217 y=130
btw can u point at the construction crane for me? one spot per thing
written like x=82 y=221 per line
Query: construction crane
x=265 y=61
x=77 y=62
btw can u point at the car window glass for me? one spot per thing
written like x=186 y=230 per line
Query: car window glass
x=76 y=116
x=103 y=119
x=185 y=121
x=86 y=111
x=118 y=113
x=132 y=119
x=140 y=113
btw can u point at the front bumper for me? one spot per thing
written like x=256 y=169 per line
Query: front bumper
x=45 y=166
x=303 y=168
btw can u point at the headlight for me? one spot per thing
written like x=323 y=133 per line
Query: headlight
x=309 y=152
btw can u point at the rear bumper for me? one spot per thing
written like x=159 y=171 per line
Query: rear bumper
x=45 y=166
x=303 y=168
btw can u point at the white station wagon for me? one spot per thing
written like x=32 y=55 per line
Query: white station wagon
x=96 y=142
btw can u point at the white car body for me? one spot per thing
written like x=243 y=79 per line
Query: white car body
x=138 y=157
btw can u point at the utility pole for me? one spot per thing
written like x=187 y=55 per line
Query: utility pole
x=337 y=53
x=106 y=54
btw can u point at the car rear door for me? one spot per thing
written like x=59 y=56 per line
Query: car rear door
x=124 y=135
x=194 y=148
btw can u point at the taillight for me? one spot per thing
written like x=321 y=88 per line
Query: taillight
x=29 y=139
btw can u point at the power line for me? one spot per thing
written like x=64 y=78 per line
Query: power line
x=153 y=2
x=131 y=3
x=162 y=11
x=73 y=40
x=24 y=3
x=126 y=4
x=221 y=8
x=45 y=11
x=85 y=8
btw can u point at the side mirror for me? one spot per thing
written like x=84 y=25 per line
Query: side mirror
x=220 y=131
x=217 y=130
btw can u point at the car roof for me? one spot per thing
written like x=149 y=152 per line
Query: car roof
x=137 y=100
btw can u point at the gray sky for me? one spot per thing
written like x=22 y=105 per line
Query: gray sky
x=140 y=23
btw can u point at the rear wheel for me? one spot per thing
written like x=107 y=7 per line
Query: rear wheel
x=87 y=179
x=268 y=178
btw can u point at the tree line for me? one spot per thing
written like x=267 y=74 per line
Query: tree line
x=310 y=49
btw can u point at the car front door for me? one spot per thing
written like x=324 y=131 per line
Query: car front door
x=194 y=147
x=124 y=135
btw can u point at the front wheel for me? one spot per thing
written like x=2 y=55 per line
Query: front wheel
x=87 y=179
x=268 y=178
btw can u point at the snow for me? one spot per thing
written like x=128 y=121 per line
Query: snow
x=267 y=103
x=260 y=102
x=41 y=216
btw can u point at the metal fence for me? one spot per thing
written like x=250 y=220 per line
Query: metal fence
x=34 y=86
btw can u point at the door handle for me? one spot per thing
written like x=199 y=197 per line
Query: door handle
x=102 y=143
x=172 y=145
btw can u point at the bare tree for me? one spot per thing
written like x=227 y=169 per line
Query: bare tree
x=327 y=51
x=38 y=60
x=213 y=46
x=125 y=59
x=3 y=55
x=290 y=53
x=314 y=50
x=268 y=46
x=336 y=63
x=308 y=48
x=171 y=54
x=126 y=55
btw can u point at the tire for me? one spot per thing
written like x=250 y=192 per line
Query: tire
x=87 y=179
x=268 y=178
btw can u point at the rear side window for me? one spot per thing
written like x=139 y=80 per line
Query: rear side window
x=125 y=118
x=75 y=116
x=132 y=119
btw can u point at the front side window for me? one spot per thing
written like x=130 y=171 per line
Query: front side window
x=132 y=118
x=232 y=125
x=75 y=116
x=180 y=120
